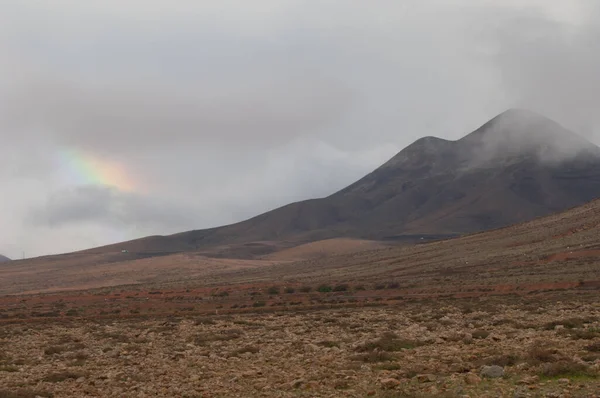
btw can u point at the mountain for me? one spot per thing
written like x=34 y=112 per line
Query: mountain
x=518 y=166
x=4 y=259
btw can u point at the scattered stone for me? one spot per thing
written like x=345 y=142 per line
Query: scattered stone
x=390 y=383
x=472 y=378
x=492 y=372
x=528 y=380
x=425 y=378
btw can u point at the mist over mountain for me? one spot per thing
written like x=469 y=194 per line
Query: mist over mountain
x=518 y=166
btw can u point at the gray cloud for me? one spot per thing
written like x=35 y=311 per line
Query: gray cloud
x=220 y=110
x=551 y=67
x=110 y=207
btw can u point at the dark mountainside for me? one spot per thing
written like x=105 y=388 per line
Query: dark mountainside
x=518 y=166
x=4 y=259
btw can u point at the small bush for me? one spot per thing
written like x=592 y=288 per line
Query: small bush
x=480 y=334
x=393 y=285
x=205 y=321
x=359 y=288
x=273 y=290
x=62 y=376
x=539 y=353
x=305 y=289
x=389 y=342
x=389 y=366
x=594 y=347
x=289 y=290
x=570 y=323
x=580 y=334
x=373 y=357
x=379 y=286
x=54 y=350
x=257 y=304
x=243 y=350
x=341 y=288
x=565 y=368
x=500 y=360
x=72 y=312
x=226 y=335
x=324 y=288
x=328 y=343
x=24 y=393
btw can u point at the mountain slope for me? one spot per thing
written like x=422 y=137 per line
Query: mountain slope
x=518 y=166
x=4 y=259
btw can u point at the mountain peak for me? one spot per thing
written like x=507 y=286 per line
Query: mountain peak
x=518 y=132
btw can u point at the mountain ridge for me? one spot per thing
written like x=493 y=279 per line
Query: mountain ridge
x=515 y=167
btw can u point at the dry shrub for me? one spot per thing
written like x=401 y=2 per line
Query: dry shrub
x=62 y=376
x=243 y=350
x=580 y=334
x=480 y=334
x=24 y=393
x=594 y=347
x=540 y=352
x=455 y=336
x=570 y=323
x=389 y=342
x=225 y=335
x=204 y=321
x=59 y=349
x=328 y=343
x=373 y=357
x=500 y=360
x=565 y=368
x=389 y=366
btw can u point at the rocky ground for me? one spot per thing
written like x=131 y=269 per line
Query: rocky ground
x=437 y=348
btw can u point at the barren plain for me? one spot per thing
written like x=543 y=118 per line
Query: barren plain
x=512 y=312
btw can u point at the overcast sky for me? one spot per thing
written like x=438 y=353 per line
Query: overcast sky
x=126 y=118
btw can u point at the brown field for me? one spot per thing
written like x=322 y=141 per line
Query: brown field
x=421 y=320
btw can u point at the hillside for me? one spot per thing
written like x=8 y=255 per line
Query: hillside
x=4 y=259
x=548 y=252
x=518 y=166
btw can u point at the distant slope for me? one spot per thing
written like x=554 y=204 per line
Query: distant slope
x=324 y=248
x=518 y=166
x=556 y=251
x=4 y=259
x=559 y=251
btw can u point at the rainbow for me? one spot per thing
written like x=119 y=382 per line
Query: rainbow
x=85 y=168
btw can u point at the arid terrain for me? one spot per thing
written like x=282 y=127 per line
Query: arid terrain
x=511 y=312
x=542 y=346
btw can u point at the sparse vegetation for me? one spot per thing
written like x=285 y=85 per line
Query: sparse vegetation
x=343 y=287
x=324 y=288
x=480 y=334
x=389 y=342
x=24 y=393
x=58 y=377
